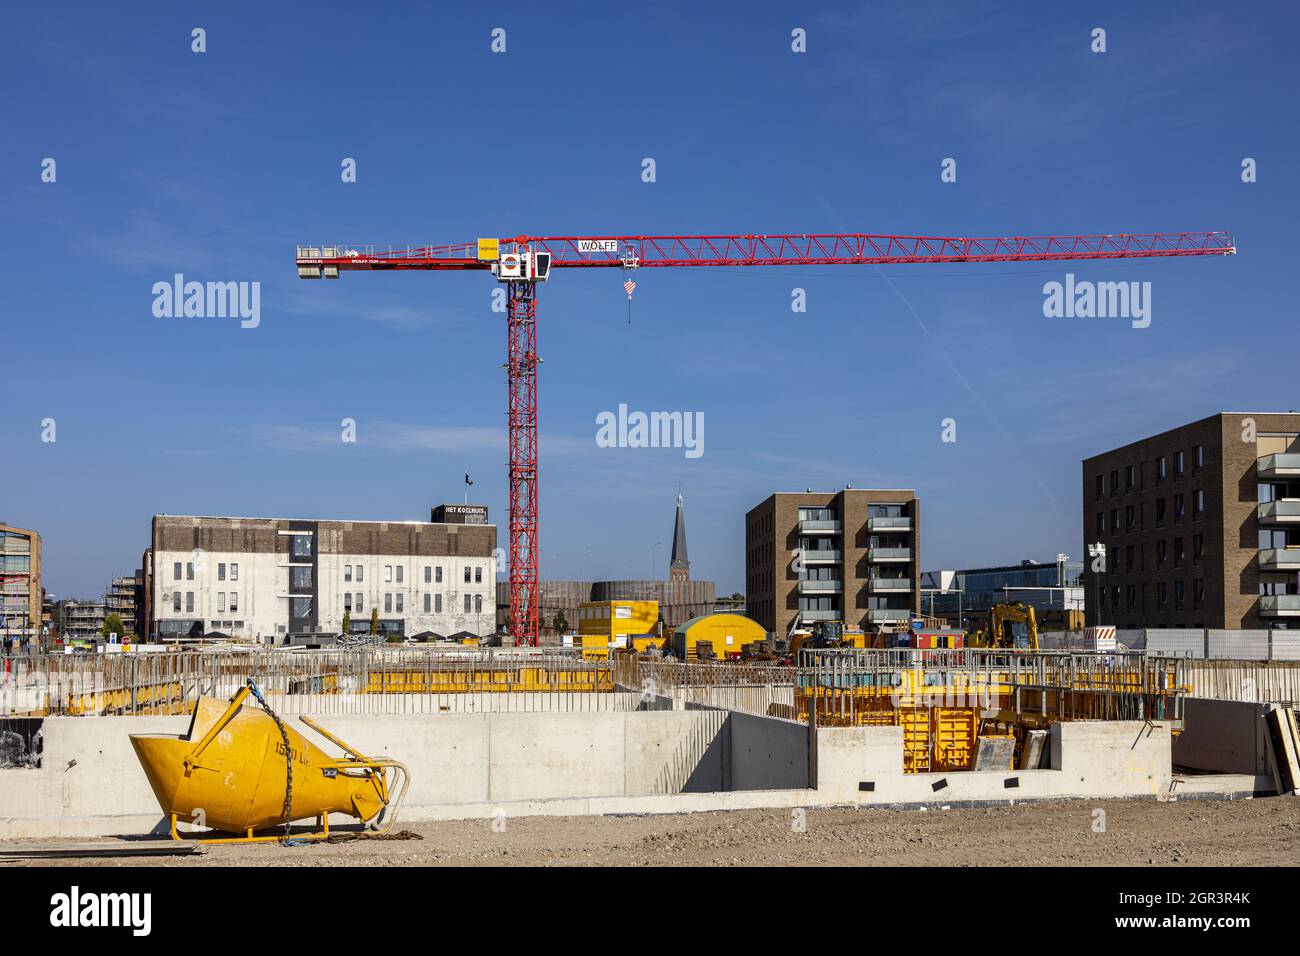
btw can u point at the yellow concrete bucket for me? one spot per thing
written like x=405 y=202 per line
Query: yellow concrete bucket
x=230 y=773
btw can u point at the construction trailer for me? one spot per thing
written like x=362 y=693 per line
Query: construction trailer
x=720 y=636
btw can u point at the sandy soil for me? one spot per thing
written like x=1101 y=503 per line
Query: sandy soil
x=1137 y=833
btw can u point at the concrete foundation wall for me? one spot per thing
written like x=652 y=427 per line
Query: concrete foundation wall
x=90 y=782
x=659 y=761
x=863 y=765
x=1222 y=736
x=767 y=754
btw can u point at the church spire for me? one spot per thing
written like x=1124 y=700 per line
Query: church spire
x=679 y=567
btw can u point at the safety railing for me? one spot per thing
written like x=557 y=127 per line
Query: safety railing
x=359 y=681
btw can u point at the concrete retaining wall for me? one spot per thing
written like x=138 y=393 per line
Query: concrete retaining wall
x=863 y=765
x=665 y=761
x=1222 y=736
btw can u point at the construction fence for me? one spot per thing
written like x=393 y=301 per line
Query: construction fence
x=1199 y=643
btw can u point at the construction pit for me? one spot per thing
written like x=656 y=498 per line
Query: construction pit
x=492 y=736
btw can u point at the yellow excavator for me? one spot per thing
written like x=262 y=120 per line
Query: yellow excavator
x=1011 y=627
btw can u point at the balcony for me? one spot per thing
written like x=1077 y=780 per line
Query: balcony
x=877 y=555
x=809 y=556
x=892 y=585
x=820 y=526
x=1279 y=559
x=888 y=615
x=889 y=524
x=821 y=587
x=1279 y=466
x=1285 y=511
x=809 y=617
x=1279 y=605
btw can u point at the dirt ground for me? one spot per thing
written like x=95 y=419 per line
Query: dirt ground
x=1136 y=833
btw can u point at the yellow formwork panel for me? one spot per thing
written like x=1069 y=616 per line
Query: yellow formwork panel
x=536 y=679
x=955 y=731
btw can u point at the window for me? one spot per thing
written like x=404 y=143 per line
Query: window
x=189 y=602
x=189 y=571
x=234 y=572
x=401 y=572
x=360 y=602
x=1161 y=470
x=1130 y=518
x=299 y=579
x=428 y=601
x=437 y=574
x=361 y=573
x=1198 y=457
x=176 y=573
x=466 y=603
x=221 y=602
x=1162 y=595
x=1128 y=557
x=1101 y=487
x=478 y=575
x=1180 y=553
x=400 y=599
x=467 y=579
x=1130 y=477
x=1180 y=593
x=1198 y=592
x=1198 y=504
x=1101 y=522
x=478 y=604
x=437 y=604
x=1130 y=595
x=1198 y=546
x=300 y=545
x=1178 y=463
x=347 y=573
x=347 y=601
x=1114 y=483
x=221 y=571
x=1114 y=519
x=388 y=602
x=176 y=601
x=1162 y=552
x=1114 y=598
x=388 y=573
x=428 y=574
x=1180 y=507
x=1160 y=511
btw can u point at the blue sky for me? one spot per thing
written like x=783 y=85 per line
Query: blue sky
x=217 y=164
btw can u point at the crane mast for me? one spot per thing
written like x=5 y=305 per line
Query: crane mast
x=523 y=262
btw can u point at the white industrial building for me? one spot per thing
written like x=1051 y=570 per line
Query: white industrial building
x=269 y=580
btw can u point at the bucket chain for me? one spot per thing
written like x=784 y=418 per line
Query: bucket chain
x=288 y=758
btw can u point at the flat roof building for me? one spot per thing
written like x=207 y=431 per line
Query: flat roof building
x=1053 y=588
x=20 y=585
x=268 y=580
x=1200 y=525
x=850 y=556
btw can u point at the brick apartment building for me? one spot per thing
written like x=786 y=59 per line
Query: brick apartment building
x=1201 y=526
x=851 y=556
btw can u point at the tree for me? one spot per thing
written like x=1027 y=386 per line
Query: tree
x=347 y=623
x=113 y=625
x=561 y=622
x=374 y=620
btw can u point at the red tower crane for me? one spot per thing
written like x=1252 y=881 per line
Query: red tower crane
x=525 y=261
